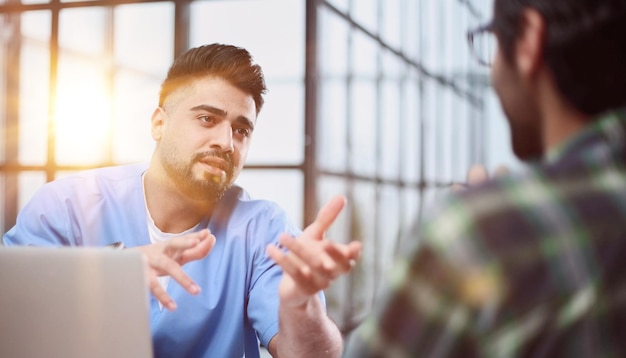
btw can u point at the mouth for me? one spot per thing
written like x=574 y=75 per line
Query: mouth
x=215 y=162
x=216 y=167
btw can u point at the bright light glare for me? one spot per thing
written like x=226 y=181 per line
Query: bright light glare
x=82 y=126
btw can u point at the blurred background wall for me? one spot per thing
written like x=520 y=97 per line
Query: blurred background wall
x=377 y=99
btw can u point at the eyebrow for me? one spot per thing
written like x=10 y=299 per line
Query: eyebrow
x=222 y=113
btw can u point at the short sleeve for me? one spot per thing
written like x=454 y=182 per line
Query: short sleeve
x=263 y=301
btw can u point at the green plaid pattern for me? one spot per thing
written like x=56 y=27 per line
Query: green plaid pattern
x=532 y=265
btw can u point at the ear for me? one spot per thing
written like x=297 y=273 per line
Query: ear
x=156 y=123
x=529 y=46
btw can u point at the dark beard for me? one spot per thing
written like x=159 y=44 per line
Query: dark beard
x=206 y=188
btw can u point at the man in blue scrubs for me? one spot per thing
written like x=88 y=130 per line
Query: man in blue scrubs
x=220 y=283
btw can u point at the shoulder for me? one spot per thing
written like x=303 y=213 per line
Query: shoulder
x=238 y=209
x=98 y=179
x=106 y=174
x=88 y=186
x=248 y=206
x=516 y=212
x=494 y=216
x=496 y=198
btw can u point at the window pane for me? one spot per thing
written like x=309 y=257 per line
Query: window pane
x=34 y=88
x=393 y=67
x=281 y=186
x=460 y=150
x=431 y=34
x=363 y=214
x=82 y=30
x=447 y=133
x=256 y=26
x=363 y=107
x=144 y=38
x=411 y=129
x=364 y=56
x=431 y=93
x=391 y=30
x=142 y=56
x=333 y=56
x=456 y=50
x=411 y=19
x=279 y=134
x=328 y=187
x=134 y=100
x=390 y=130
x=332 y=126
x=82 y=116
x=341 y=5
x=365 y=13
x=83 y=106
x=409 y=217
x=28 y=184
x=388 y=229
x=340 y=295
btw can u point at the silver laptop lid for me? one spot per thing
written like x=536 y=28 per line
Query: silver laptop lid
x=73 y=302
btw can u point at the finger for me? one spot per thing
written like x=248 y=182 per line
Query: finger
x=311 y=255
x=290 y=266
x=199 y=251
x=345 y=256
x=477 y=174
x=274 y=253
x=355 y=248
x=310 y=252
x=341 y=259
x=170 y=267
x=458 y=187
x=306 y=279
x=175 y=246
x=501 y=171
x=325 y=217
x=160 y=293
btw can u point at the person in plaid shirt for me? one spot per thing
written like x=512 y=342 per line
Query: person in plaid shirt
x=534 y=264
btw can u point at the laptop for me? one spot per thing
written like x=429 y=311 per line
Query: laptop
x=73 y=302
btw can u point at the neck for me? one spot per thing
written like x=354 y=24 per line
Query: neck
x=561 y=120
x=171 y=210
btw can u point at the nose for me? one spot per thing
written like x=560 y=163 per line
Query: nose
x=223 y=138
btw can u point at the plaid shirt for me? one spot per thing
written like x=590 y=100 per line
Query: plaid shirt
x=525 y=266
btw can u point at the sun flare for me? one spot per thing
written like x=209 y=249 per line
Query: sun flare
x=82 y=126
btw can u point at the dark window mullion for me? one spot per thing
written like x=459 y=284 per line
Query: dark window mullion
x=181 y=26
x=311 y=87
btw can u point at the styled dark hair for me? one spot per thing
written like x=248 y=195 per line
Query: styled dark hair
x=231 y=63
x=585 y=47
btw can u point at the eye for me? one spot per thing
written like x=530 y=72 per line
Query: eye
x=207 y=120
x=243 y=131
